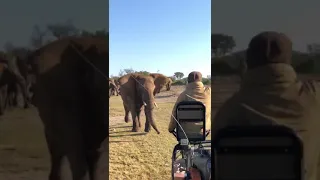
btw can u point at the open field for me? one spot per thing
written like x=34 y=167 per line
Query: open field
x=24 y=155
x=140 y=155
x=23 y=150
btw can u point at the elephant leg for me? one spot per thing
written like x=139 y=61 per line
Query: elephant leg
x=73 y=142
x=56 y=158
x=147 y=126
x=6 y=103
x=117 y=92
x=15 y=98
x=126 y=111
x=135 y=125
x=64 y=138
x=3 y=94
x=56 y=154
x=23 y=86
x=96 y=137
x=138 y=111
x=135 y=120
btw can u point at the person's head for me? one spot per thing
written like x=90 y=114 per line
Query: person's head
x=194 y=76
x=267 y=48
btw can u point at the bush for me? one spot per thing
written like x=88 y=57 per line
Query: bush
x=220 y=67
x=178 y=83
x=306 y=67
x=206 y=81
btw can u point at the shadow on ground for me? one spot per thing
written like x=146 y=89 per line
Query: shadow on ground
x=120 y=127
x=164 y=96
x=123 y=135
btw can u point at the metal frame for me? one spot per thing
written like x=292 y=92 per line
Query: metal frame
x=178 y=108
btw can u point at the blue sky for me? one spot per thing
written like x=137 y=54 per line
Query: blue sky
x=160 y=35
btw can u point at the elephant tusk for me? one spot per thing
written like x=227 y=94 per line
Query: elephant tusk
x=145 y=104
x=155 y=104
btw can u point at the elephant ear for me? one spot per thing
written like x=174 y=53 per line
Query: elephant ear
x=153 y=76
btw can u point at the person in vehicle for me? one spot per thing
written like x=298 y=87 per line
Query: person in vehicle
x=271 y=94
x=195 y=91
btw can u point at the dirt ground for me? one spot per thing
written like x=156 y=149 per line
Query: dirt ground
x=23 y=151
x=148 y=156
x=24 y=154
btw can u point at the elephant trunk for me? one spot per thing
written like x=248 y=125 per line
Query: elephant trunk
x=150 y=117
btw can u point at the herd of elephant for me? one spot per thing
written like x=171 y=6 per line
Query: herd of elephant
x=137 y=91
x=14 y=79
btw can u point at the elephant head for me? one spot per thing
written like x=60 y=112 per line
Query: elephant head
x=160 y=81
x=137 y=91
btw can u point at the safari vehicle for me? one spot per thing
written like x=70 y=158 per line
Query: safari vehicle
x=192 y=149
x=260 y=152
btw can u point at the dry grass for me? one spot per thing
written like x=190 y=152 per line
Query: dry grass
x=23 y=150
x=24 y=154
x=139 y=156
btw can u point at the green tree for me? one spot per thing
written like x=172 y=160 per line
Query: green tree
x=98 y=33
x=144 y=72
x=306 y=67
x=178 y=75
x=59 y=30
x=220 y=67
x=221 y=44
x=38 y=37
x=126 y=71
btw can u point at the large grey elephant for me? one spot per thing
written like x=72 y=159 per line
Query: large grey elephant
x=14 y=76
x=11 y=79
x=70 y=94
x=5 y=79
x=19 y=68
x=12 y=94
x=160 y=81
x=169 y=83
x=113 y=88
x=137 y=91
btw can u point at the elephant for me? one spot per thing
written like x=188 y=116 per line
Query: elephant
x=169 y=83
x=12 y=94
x=137 y=91
x=15 y=78
x=113 y=88
x=70 y=94
x=10 y=81
x=5 y=76
x=160 y=81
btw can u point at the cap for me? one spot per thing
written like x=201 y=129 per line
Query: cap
x=194 y=76
x=269 y=47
